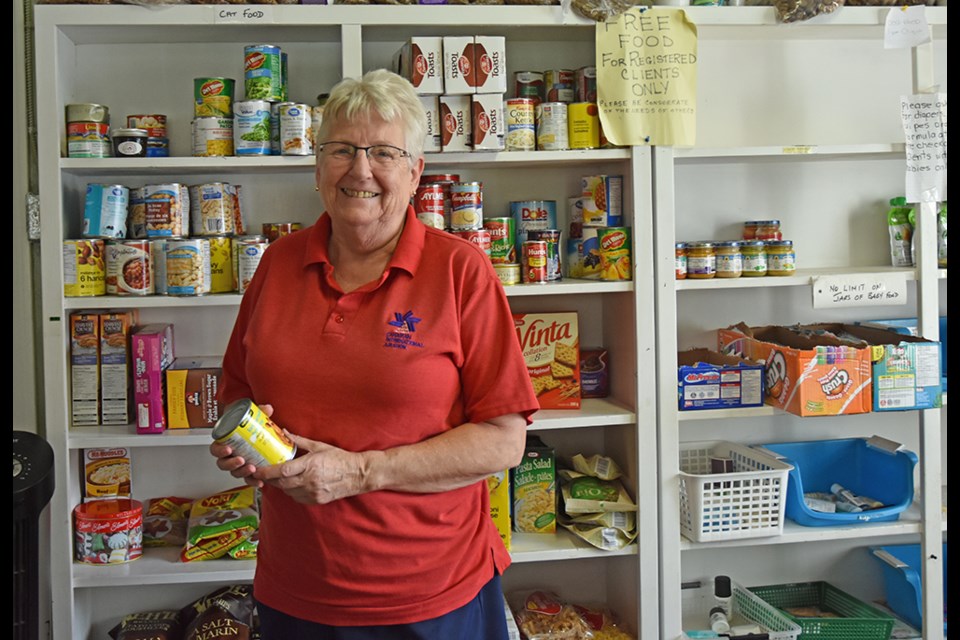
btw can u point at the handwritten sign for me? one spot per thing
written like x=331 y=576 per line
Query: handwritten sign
x=256 y=14
x=647 y=77
x=924 y=118
x=859 y=290
x=906 y=27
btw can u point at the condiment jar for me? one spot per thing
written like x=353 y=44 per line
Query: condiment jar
x=754 y=254
x=701 y=260
x=729 y=259
x=781 y=258
x=761 y=230
x=681 y=260
x=130 y=143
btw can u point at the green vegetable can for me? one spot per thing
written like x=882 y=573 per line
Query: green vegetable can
x=251 y=128
x=263 y=72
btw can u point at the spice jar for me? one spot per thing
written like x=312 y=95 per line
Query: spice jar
x=701 y=260
x=681 y=260
x=754 y=254
x=781 y=258
x=130 y=143
x=729 y=259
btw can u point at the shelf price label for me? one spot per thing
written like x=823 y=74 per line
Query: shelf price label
x=245 y=14
x=859 y=290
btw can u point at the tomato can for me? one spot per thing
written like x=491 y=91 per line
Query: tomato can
x=105 y=211
x=466 y=200
x=213 y=97
x=276 y=230
x=129 y=265
x=252 y=435
x=552 y=238
x=428 y=204
x=211 y=209
x=221 y=264
x=479 y=237
x=188 y=267
x=108 y=531
x=84 y=269
x=503 y=239
x=534 y=254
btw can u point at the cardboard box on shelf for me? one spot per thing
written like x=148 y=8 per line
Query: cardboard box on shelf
x=420 y=60
x=116 y=366
x=84 y=368
x=152 y=348
x=551 y=347
x=534 y=489
x=499 y=486
x=192 y=387
x=707 y=379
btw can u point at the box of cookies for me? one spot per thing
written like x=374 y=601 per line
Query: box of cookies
x=551 y=347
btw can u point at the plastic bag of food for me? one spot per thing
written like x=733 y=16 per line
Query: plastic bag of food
x=586 y=494
x=156 y=625
x=227 y=612
x=603 y=623
x=798 y=10
x=542 y=615
x=597 y=466
x=602 y=10
x=165 y=521
x=220 y=522
x=601 y=537
x=623 y=520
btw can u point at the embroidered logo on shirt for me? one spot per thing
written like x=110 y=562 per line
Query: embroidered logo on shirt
x=401 y=336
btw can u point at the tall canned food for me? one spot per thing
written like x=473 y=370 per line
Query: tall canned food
x=221 y=264
x=248 y=259
x=213 y=97
x=263 y=72
x=445 y=180
x=211 y=209
x=583 y=256
x=129 y=265
x=551 y=120
x=583 y=125
x=212 y=136
x=585 y=84
x=503 y=239
x=533 y=214
x=251 y=128
x=158 y=253
x=534 y=263
x=253 y=435
x=105 y=211
x=554 y=262
x=528 y=84
x=238 y=242
x=615 y=262
x=296 y=133
x=428 y=205
x=88 y=130
x=558 y=85
x=136 y=214
x=467 y=202
x=188 y=267
x=521 y=124
x=84 y=268
x=167 y=209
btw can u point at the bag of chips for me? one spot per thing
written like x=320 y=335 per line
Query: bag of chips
x=227 y=612
x=156 y=625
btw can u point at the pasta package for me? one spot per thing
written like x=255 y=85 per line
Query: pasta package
x=544 y=616
x=534 y=489
x=220 y=522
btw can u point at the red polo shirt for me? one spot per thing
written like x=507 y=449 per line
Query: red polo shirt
x=429 y=346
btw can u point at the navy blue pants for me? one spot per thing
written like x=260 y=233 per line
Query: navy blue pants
x=482 y=618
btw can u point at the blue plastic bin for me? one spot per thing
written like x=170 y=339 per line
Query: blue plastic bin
x=873 y=467
x=901 y=576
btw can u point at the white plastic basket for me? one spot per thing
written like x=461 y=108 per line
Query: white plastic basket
x=748 y=502
x=746 y=607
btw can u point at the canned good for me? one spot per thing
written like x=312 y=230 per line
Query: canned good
x=88 y=140
x=212 y=136
x=583 y=256
x=84 y=269
x=238 y=242
x=445 y=180
x=503 y=240
x=479 y=237
x=585 y=84
x=248 y=259
x=729 y=259
x=467 y=206
x=211 y=209
x=554 y=262
x=263 y=72
x=508 y=273
x=166 y=208
x=252 y=435
x=583 y=125
x=221 y=264
x=558 y=85
x=213 y=97
x=602 y=200
x=234 y=199
x=108 y=531
x=296 y=134
x=158 y=253
x=130 y=143
x=275 y=146
x=520 y=117
x=615 y=262
x=533 y=214
x=428 y=204
x=105 y=211
x=552 y=128
x=129 y=268
x=534 y=254
x=136 y=214
x=701 y=260
x=155 y=124
x=87 y=112
x=276 y=230
x=188 y=267
x=528 y=84
x=251 y=128
x=158 y=148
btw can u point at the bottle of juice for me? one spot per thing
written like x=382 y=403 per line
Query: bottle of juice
x=901 y=232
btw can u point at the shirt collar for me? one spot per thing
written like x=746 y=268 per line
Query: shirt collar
x=406 y=256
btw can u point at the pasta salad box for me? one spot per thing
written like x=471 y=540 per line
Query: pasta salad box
x=551 y=348
x=152 y=348
x=535 y=489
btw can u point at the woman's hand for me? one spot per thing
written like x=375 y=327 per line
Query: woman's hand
x=326 y=473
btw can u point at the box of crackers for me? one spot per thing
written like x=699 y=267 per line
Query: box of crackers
x=551 y=347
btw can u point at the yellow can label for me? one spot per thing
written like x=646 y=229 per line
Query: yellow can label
x=221 y=264
x=84 y=269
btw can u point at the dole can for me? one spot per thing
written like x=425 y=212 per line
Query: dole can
x=532 y=214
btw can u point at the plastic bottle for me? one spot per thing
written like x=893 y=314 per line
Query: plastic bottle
x=718 y=620
x=901 y=233
x=723 y=595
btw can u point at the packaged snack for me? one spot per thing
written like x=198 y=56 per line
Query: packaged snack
x=227 y=612
x=155 y=625
x=220 y=522
x=543 y=616
x=165 y=521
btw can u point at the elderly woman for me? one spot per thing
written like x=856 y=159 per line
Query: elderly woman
x=387 y=350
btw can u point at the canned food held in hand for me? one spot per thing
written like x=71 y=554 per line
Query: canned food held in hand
x=252 y=435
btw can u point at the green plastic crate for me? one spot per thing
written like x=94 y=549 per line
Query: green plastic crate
x=858 y=620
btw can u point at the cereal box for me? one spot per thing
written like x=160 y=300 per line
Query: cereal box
x=192 y=387
x=85 y=368
x=535 y=489
x=152 y=347
x=106 y=473
x=116 y=391
x=551 y=347
x=499 y=486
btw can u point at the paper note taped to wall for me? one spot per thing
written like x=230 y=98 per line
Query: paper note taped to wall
x=859 y=290
x=924 y=118
x=647 y=77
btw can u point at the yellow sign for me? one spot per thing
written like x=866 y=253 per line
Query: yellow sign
x=647 y=77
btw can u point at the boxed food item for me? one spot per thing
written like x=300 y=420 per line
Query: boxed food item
x=116 y=390
x=106 y=474
x=152 y=348
x=488 y=127
x=499 y=486
x=490 y=64
x=432 y=141
x=85 y=368
x=807 y=375
x=602 y=200
x=420 y=60
x=710 y=380
x=534 y=489
x=459 y=77
x=455 y=124
x=551 y=347
x=192 y=387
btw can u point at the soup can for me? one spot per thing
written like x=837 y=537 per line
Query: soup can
x=552 y=238
x=615 y=262
x=276 y=230
x=221 y=264
x=520 y=117
x=248 y=259
x=533 y=214
x=534 y=266
x=239 y=241
x=188 y=267
x=108 y=531
x=552 y=134
x=479 y=237
x=136 y=214
x=585 y=84
x=167 y=209
x=558 y=85
x=508 y=273
x=263 y=72
x=252 y=435
x=213 y=97
x=212 y=136
x=445 y=180
x=158 y=253
x=84 y=268
x=503 y=239
x=105 y=211
x=251 y=128
x=296 y=132
x=466 y=199
x=583 y=125
x=528 y=84
x=211 y=209
x=129 y=265
x=428 y=204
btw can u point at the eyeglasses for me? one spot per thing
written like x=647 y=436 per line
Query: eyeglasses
x=385 y=156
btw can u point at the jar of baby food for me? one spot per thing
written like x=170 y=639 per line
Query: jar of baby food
x=781 y=258
x=701 y=260
x=754 y=254
x=681 y=260
x=729 y=259
x=761 y=230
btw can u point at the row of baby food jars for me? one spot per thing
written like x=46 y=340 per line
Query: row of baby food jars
x=734 y=258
